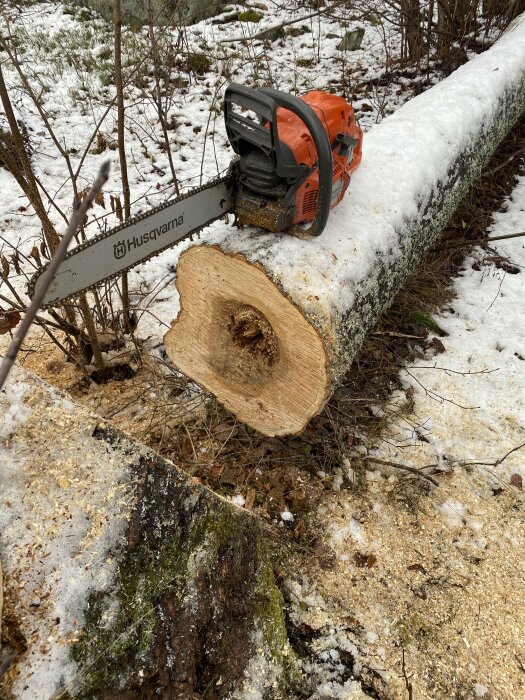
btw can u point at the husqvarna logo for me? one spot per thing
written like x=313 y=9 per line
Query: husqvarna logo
x=131 y=244
x=119 y=249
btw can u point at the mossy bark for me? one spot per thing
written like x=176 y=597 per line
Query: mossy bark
x=193 y=602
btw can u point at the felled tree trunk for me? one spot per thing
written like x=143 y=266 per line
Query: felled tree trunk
x=269 y=323
x=196 y=596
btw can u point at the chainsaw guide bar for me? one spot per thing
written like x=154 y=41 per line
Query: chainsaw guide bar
x=106 y=256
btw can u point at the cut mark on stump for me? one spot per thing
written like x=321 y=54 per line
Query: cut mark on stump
x=250 y=330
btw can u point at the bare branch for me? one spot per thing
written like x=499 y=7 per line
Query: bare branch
x=404 y=467
x=75 y=221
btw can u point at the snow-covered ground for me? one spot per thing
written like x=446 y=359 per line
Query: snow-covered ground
x=68 y=60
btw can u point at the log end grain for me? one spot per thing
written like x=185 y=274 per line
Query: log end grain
x=243 y=340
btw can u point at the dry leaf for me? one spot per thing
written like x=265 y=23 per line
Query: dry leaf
x=9 y=320
x=5 y=267
x=36 y=255
x=15 y=259
x=250 y=499
x=367 y=560
x=437 y=345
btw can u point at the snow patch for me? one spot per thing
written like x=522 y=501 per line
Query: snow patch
x=453 y=512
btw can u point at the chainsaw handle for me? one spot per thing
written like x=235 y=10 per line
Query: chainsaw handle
x=265 y=102
x=324 y=157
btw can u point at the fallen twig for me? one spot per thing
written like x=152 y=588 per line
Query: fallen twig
x=454 y=371
x=404 y=467
x=450 y=245
x=493 y=464
x=276 y=27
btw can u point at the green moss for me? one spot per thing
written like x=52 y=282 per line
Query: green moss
x=184 y=536
x=141 y=578
x=297 y=31
x=412 y=628
x=198 y=63
x=270 y=622
x=250 y=16
x=304 y=63
x=422 y=319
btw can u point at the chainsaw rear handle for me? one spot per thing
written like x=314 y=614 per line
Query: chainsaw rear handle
x=265 y=102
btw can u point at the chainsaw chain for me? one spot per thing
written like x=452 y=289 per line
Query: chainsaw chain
x=139 y=217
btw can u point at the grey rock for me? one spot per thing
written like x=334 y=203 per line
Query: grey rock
x=352 y=40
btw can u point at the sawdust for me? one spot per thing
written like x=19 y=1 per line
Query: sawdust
x=434 y=577
x=149 y=400
x=68 y=510
x=433 y=580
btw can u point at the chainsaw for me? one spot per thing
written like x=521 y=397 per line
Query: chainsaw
x=294 y=158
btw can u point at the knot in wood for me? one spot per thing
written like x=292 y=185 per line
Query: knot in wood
x=250 y=329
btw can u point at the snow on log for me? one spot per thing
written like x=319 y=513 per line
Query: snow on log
x=271 y=323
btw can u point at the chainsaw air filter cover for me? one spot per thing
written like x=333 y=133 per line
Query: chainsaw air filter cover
x=296 y=156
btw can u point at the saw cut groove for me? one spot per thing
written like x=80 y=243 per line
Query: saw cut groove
x=243 y=340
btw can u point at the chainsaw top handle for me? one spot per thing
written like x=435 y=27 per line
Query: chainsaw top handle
x=264 y=102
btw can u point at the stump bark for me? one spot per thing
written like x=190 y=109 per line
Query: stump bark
x=270 y=324
x=123 y=576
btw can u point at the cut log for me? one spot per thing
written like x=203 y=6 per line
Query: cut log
x=269 y=323
x=247 y=341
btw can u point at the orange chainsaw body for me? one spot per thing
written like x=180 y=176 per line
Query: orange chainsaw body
x=337 y=117
x=296 y=156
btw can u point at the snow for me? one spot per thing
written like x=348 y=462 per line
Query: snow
x=60 y=517
x=480 y=690
x=461 y=519
x=260 y=674
x=483 y=370
x=403 y=157
x=453 y=512
x=15 y=410
x=340 y=535
x=57 y=48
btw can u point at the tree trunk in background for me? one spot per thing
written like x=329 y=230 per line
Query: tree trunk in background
x=270 y=324
x=456 y=19
x=412 y=30
x=508 y=9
